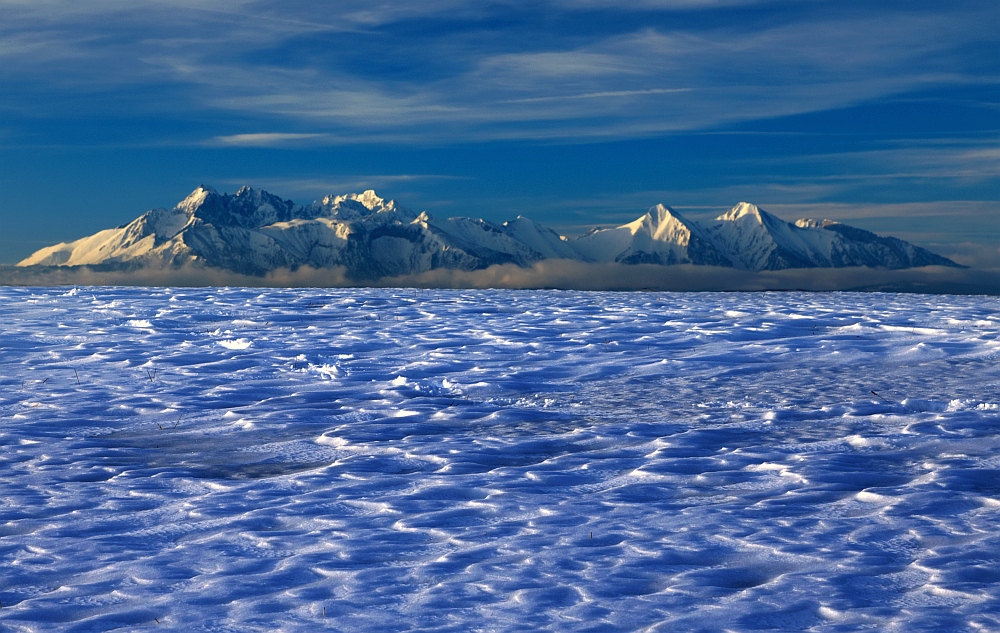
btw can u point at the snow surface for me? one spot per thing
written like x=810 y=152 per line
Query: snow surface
x=391 y=460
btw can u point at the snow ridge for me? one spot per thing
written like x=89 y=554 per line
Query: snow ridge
x=255 y=232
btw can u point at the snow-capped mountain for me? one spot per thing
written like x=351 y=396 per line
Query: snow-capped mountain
x=662 y=236
x=254 y=232
x=757 y=240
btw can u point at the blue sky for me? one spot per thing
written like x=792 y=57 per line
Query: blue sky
x=573 y=112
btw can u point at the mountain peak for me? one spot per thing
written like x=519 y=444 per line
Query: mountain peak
x=743 y=210
x=255 y=232
x=368 y=199
x=660 y=221
x=195 y=199
x=662 y=213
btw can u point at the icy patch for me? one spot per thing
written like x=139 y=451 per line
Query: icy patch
x=916 y=404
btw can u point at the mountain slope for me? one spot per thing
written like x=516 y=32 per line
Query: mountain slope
x=757 y=240
x=662 y=236
x=254 y=232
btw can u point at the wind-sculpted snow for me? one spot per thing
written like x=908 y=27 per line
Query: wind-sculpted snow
x=393 y=460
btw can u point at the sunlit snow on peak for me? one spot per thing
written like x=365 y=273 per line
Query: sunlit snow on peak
x=195 y=199
x=253 y=232
x=743 y=210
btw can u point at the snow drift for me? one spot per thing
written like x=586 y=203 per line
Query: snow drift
x=294 y=460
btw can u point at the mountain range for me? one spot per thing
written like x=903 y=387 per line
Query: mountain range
x=253 y=232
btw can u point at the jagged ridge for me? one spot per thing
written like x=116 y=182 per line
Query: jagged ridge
x=254 y=232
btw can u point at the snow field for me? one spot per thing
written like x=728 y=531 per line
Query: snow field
x=301 y=460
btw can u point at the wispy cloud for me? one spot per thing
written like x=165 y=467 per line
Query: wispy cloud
x=265 y=139
x=608 y=94
x=344 y=74
x=656 y=4
x=918 y=160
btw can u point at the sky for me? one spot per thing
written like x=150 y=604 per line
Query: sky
x=575 y=113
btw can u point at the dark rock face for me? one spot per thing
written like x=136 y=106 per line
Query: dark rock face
x=704 y=253
x=864 y=248
x=247 y=209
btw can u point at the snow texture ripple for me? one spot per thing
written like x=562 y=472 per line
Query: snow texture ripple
x=396 y=460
